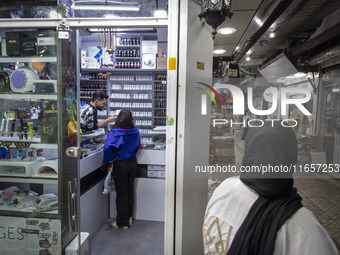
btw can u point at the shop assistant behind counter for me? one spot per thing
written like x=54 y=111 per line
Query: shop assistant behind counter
x=88 y=115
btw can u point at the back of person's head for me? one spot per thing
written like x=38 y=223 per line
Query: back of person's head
x=99 y=95
x=124 y=120
x=269 y=158
x=275 y=147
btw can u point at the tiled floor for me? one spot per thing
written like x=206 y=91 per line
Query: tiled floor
x=322 y=197
x=144 y=237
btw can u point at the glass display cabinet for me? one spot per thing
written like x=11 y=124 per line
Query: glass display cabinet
x=39 y=163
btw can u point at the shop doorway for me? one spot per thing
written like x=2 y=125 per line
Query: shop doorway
x=130 y=65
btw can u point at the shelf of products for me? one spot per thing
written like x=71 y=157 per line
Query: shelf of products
x=28 y=129
x=31 y=131
x=138 y=92
x=89 y=84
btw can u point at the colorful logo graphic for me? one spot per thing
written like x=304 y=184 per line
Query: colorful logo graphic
x=204 y=97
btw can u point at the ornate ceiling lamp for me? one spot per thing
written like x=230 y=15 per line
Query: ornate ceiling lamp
x=215 y=12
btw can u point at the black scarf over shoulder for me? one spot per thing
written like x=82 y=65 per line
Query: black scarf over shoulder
x=276 y=147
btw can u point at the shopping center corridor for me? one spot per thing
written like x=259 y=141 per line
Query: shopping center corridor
x=320 y=195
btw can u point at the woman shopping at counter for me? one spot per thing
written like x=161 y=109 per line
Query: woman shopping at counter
x=121 y=146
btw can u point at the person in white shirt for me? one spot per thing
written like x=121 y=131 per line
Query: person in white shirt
x=246 y=119
x=261 y=213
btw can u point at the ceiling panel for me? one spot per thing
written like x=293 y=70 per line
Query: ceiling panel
x=245 y=5
x=240 y=21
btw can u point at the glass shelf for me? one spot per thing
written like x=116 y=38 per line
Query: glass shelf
x=28 y=59
x=34 y=96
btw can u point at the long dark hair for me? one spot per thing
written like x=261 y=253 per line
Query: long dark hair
x=124 y=120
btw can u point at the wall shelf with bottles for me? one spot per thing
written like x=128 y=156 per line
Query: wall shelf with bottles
x=137 y=91
x=91 y=82
x=104 y=70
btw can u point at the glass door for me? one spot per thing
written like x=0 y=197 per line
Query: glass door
x=39 y=182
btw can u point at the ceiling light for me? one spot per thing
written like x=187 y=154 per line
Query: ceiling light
x=248 y=58
x=215 y=12
x=258 y=21
x=160 y=14
x=219 y=51
x=53 y=14
x=299 y=75
x=226 y=30
x=264 y=43
x=107 y=7
x=111 y=16
x=272 y=35
x=335 y=90
x=326 y=76
x=296 y=75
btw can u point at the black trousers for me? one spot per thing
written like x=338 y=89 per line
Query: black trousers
x=245 y=131
x=124 y=174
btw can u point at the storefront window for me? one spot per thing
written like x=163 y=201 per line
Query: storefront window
x=228 y=130
x=330 y=115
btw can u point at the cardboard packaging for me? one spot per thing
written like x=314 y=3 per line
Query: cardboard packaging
x=13 y=43
x=161 y=63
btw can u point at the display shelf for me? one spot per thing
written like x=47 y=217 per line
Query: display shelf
x=92 y=89
x=125 y=90
x=127 y=57
x=99 y=70
x=129 y=46
x=142 y=99
x=16 y=139
x=91 y=163
x=26 y=96
x=131 y=82
x=93 y=80
x=45 y=59
x=93 y=134
x=25 y=210
x=35 y=143
x=125 y=107
x=44 y=146
x=36 y=180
